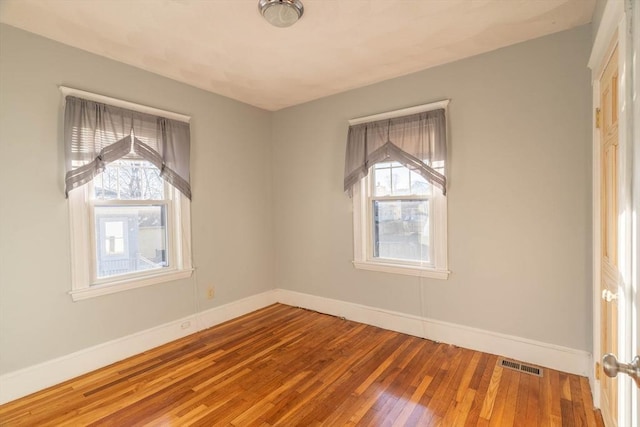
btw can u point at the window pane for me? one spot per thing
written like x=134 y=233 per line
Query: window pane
x=401 y=230
x=382 y=181
x=114 y=237
x=393 y=179
x=419 y=185
x=400 y=181
x=129 y=180
x=130 y=239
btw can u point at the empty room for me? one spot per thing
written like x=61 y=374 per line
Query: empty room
x=319 y=212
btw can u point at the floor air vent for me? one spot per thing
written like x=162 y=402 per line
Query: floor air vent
x=521 y=367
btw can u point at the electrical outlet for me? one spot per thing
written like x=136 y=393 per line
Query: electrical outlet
x=210 y=292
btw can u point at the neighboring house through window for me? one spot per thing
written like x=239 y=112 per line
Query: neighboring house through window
x=395 y=170
x=129 y=194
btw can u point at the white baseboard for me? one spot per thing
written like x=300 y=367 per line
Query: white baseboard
x=538 y=353
x=14 y=385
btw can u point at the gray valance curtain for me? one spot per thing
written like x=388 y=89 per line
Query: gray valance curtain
x=97 y=134
x=417 y=141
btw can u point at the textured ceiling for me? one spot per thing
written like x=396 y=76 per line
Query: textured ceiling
x=226 y=47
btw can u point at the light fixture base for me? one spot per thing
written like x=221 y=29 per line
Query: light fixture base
x=281 y=13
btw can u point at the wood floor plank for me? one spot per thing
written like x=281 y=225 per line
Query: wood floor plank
x=555 y=395
x=533 y=402
x=501 y=398
x=285 y=366
x=481 y=387
x=467 y=376
x=566 y=409
x=462 y=409
x=586 y=400
x=522 y=400
x=509 y=413
x=444 y=397
x=405 y=387
x=487 y=407
x=579 y=412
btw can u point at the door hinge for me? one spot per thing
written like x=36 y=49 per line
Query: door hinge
x=597 y=118
x=598 y=370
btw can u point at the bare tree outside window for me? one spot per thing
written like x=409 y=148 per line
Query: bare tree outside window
x=129 y=180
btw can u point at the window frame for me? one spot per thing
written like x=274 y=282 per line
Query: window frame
x=84 y=281
x=362 y=199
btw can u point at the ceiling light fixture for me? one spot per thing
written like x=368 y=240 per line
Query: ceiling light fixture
x=281 y=13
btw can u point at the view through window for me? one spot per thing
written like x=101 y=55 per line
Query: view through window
x=130 y=219
x=400 y=213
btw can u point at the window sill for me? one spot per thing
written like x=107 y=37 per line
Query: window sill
x=408 y=270
x=126 y=284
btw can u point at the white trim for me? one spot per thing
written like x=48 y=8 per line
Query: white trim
x=34 y=378
x=625 y=122
x=127 y=284
x=635 y=249
x=539 y=353
x=613 y=12
x=399 y=113
x=408 y=270
x=67 y=91
x=80 y=242
x=14 y=385
x=359 y=222
x=85 y=285
x=182 y=213
x=440 y=230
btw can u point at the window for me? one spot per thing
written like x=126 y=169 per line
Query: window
x=129 y=211
x=130 y=238
x=400 y=211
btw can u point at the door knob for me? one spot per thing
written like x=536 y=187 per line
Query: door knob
x=612 y=367
x=608 y=296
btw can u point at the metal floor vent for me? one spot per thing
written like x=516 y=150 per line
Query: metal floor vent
x=521 y=367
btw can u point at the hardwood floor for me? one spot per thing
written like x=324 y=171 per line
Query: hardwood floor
x=287 y=366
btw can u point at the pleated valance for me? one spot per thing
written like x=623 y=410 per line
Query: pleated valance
x=416 y=141
x=96 y=134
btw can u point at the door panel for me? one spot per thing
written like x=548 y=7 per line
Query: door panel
x=610 y=275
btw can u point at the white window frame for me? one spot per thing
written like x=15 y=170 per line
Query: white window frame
x=363 y=221
x=84 y=281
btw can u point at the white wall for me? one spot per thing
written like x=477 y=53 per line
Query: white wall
x=231 y=209
x=519 y=194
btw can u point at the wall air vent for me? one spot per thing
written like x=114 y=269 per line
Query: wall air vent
x=521 y=367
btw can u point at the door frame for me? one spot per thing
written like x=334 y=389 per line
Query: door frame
x=615 y=29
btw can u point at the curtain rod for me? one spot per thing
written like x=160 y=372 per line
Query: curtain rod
x=399 y=113
x=68 y=91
